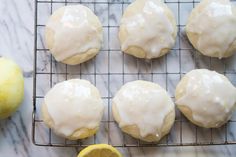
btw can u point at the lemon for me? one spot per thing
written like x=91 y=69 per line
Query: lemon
x=99 y=150
x=11 y=87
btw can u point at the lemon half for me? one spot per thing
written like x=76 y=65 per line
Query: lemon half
x=99 y=150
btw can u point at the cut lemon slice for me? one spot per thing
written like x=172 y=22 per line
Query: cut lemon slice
x=99 y=150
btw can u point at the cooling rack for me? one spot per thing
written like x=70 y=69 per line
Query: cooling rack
x=112 y=68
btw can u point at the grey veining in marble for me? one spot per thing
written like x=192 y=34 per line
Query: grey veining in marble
x=16 y=42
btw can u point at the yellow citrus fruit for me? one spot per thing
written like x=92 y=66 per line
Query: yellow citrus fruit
x=99 y=150
x=11 y=87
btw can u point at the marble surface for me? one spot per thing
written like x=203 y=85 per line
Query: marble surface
x=16 y=42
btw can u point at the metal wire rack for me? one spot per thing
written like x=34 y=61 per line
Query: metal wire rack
x=112 y=68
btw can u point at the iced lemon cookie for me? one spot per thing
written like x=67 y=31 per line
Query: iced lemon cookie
x=148 y=29
x=206 y=98
x=211 y=28
x=143 y=110
x=73 y=109
x=73 y=34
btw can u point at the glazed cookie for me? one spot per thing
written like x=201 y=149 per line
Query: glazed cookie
x=148 y=29
x=73 y=34
x=206 y=98
x=211 y=28
x=73 y=109
x=143 y=110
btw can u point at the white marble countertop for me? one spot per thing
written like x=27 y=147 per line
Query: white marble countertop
x=16 y=42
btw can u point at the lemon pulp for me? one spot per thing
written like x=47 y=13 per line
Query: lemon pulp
x=99 y=150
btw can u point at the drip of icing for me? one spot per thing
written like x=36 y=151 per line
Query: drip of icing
x=209 y=96
x=74 y=104
x=215 y=25
x=149 y=29
x=74 y=33
x=143 y=104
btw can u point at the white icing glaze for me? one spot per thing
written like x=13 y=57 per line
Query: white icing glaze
x=149 y=29
x=74 y=32
x=144 y=104
x=209 y=95
x=215 y=24
x=74 y=104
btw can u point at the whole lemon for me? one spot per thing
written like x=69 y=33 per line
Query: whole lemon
x=11 y=87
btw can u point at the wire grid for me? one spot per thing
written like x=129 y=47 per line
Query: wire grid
x=102 y=72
